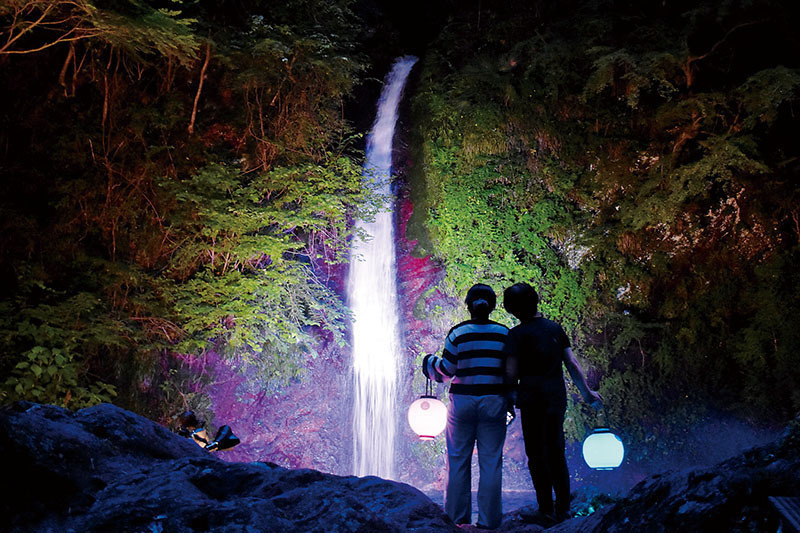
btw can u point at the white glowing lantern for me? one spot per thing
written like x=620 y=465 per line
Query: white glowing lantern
x=603 y=450
x=427 y=417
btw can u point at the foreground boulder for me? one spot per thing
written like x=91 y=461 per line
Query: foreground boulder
x=106 y=469
x=731 y=496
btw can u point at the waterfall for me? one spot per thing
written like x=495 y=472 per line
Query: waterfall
x=372 y=295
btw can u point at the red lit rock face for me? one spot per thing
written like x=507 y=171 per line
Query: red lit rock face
x=416 y=275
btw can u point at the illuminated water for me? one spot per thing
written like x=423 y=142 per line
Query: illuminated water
x=372 y=295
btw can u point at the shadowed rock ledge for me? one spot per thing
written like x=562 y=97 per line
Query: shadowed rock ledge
x=106 y=469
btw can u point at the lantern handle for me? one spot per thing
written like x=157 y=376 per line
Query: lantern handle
x=602 y=414
x=429 y=388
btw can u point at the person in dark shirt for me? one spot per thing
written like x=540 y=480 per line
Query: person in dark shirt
x=536 y=349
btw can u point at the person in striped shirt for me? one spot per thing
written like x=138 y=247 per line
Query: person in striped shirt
x=473 y=361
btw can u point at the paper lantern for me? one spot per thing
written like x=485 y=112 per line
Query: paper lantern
x=603 y=450
x=427 y=417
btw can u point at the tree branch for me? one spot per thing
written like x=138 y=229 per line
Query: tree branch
x=690 y=59
x=199 y=88
x=11 y=40
x=62 y=77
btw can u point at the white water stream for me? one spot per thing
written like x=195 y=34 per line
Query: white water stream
x=372 y=295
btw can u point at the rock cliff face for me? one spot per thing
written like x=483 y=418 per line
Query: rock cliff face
x=106 y=469
x=307 y=425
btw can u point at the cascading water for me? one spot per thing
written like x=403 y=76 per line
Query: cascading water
x=372 y=294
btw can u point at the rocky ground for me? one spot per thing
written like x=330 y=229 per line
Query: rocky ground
x=106 y=469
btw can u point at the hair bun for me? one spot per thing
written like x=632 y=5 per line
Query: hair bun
x=481 y=298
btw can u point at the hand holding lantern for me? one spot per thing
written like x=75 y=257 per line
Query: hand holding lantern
x=602 y=449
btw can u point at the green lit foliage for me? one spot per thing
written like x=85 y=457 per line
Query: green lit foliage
x=704 y=215
x=60 y=340
x=639 y=169
x=140 y=29
x=186 y=168
x=654 y=73
x=248 y=245
x=493 y=217
x=486 y=233
x=764 y=93
x=51 y=376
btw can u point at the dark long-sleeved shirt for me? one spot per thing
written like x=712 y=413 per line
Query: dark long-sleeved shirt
x=537 y=347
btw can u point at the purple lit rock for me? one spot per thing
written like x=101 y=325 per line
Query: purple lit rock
x=106 y=469
x=306 y=425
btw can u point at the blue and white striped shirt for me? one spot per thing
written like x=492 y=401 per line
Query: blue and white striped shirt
x=473 y=359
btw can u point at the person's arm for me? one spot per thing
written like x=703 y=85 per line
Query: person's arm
x=441 y=369
x=200 y=437
x=579 y=378
x=432 y=369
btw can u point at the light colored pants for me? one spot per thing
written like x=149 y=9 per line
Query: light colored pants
x=471 y=418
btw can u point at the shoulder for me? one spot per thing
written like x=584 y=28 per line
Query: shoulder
x=471 y=326
x=539 y=324
x=558 y=331
x=458 y=326
x=497 y=326
x=552 y=324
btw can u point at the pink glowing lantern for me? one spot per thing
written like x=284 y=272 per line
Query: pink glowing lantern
x=427 y=417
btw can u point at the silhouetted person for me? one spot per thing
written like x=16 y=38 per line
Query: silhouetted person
x=536 y=348
x=473 y=360
x=190 y=426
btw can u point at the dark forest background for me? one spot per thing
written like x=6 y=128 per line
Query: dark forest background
x=178 y=177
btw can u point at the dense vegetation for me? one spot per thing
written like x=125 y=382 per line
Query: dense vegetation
x=637 y=161
x=177 y=178
x=172 y=175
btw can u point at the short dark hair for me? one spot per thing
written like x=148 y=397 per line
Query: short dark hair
x=189 y=419
x=480 y=300
x=521 y=300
